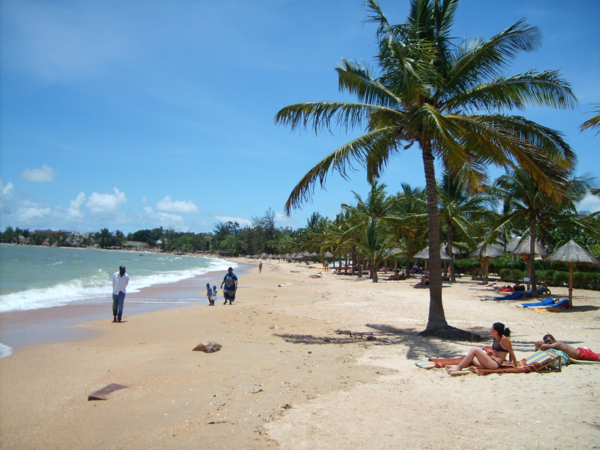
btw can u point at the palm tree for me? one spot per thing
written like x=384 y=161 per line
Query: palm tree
x=457 y=210
x=368 y=222
x=533 y=206
x=594 y=122
x=411 y=225
x=438 y=93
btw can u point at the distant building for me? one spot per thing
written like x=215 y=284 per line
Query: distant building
x=135 y=245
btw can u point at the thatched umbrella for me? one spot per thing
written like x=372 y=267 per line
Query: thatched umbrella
x=424 y=254
x=572 y=253
x=512 y=244
x=485 y=252
x=523 y=248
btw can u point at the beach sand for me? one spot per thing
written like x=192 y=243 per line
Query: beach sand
x=285 y=379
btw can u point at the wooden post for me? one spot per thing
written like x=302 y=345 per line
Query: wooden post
x=571 y=285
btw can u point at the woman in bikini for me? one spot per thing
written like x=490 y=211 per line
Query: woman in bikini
x=490 y=359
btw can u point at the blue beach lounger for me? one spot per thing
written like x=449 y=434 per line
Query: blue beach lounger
x=548 y=301
x=564 y=303
x=514 y=296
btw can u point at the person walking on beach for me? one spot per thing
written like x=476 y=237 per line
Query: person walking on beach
x=209 y=294
x=214 y=295
x=231 y=284
x=120 y=282
x=260 y=267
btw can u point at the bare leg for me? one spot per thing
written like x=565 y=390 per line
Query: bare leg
x=476 y=356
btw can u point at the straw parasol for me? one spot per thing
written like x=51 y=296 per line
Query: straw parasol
x=523 y=248
x=486 y=252
x=424 y=254
x=512 y=244
x=572 y=253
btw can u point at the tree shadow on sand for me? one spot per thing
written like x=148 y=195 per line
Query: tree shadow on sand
x=383 y=334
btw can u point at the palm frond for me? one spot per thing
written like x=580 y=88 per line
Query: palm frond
x=594 y=122
x=320 y=114
x=357 y=80
x=545 y=88
x=341 y=161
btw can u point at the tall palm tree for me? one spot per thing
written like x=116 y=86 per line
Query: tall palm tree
x=439 y=94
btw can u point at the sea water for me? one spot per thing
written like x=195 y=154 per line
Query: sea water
x=34 y=277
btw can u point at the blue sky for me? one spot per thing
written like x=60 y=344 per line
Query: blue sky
x=139 y=114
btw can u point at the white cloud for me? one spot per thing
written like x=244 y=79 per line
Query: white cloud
x=165 y=220
x=167 y=204
x=6 y=191
x=285 y=221
x=74 y=211
x=590 y=203
x=43 y=175
x=242 y=222
x=28 y=210
x=105 y=203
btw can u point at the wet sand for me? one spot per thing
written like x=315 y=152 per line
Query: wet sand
x=286 y=379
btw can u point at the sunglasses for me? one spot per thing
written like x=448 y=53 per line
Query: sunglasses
x=548 y=341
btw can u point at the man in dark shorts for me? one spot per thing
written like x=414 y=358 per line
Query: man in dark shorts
x=548 y=342
x=231 y=284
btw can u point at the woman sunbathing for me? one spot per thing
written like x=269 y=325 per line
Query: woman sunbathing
x=489 y=358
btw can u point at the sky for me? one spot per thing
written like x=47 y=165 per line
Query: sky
x=143 y=113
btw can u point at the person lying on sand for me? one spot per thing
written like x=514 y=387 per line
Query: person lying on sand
x=518 y=287
x=489 y=358
x=424 y=281
x=548 y=342
x=397 y=276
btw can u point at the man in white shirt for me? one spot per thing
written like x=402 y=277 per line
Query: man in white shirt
x=120 y=282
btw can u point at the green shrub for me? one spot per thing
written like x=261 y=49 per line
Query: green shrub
x=505 y=275
x=517 y=275
x=560 y=278
x=559 y=266
x=520 y=265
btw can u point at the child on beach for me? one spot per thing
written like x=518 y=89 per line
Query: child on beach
x=209 y=294
x=214 y=295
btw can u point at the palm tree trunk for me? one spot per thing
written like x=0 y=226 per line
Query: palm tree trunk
x=374 y=271
x=532 y=256
x=437 y=318
x=451 y=254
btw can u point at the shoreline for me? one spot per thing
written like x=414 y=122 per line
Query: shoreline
x=286 y=379
x=24 y=328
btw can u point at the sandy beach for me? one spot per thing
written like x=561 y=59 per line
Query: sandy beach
x=286 y=379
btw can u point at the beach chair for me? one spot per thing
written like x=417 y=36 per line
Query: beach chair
x=545 y=359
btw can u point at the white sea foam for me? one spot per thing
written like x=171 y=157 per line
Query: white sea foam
x=96 y=287
x=5 y=351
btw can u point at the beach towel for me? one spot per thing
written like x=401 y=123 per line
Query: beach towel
x=515 y=296
x=536 y=362
x=548 y=301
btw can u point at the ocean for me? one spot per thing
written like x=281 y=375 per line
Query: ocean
x=42 y=277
